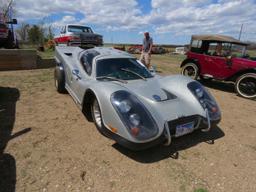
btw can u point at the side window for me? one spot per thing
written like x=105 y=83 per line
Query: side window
x=87 y=60
x=196 y=46
x=219 y=49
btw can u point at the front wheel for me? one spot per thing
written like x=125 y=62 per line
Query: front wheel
x=97 y=117
x=246 y=86
x=190 y=70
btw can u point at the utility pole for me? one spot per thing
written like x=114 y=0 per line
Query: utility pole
x=241 y=30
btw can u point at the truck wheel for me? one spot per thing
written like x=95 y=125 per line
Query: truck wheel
x=246 y=86
x=9 y=43
x=190 y=70
x=59 y=80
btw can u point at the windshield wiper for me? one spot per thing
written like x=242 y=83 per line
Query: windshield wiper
x=112 y=78
x=130 y=71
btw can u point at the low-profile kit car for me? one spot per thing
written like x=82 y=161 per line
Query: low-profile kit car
x=127 y=103
x=223 y=58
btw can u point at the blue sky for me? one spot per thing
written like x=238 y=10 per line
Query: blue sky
x=124 y=21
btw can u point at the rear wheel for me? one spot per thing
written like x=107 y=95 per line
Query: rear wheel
x=59 y=80
x=246 y=86
x=191 y=70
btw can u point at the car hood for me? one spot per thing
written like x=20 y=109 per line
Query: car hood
x=149 y=90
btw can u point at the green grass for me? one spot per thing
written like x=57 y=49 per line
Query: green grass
x=47 y=54
x=166 y=63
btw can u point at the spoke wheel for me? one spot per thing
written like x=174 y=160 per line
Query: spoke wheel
x=246 y=86
x=190 y=70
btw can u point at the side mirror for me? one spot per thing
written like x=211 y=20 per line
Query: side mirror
x=14 y=22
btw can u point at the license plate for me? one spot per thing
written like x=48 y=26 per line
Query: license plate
x=184 y=129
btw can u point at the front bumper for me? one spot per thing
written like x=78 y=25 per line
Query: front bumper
x=201 y=123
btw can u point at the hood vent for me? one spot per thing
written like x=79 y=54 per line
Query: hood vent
x=169 y=96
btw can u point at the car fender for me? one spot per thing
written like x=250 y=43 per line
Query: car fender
x=102 y=91
x=195 y=61
x=239 y=73
x=178 y=85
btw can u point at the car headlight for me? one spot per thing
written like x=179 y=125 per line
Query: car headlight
x=205 y=99
x=134 y=115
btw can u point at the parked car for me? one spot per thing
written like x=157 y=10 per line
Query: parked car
x=223 y=58
x=127 y=103
x=78 y=35
x=7 y=37
x=180 y=50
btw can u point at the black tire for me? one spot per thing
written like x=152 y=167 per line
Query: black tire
x=246 y=85
x=59 y=80
x=9 y=42
x=191 y=70
x=97 y=117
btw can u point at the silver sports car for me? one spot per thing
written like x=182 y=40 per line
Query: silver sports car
x=127 y=103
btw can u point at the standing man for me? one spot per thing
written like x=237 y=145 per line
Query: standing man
x=146 y=50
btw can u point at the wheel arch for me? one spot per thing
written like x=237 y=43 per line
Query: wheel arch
x=195 y=61
x=234 y=77
x=88 y=98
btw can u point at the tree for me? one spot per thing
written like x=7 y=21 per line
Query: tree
x=23 y=31
x=36 y=35
x=50 y=35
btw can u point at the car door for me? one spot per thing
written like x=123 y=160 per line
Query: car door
x=217 y=67
x=216 y=64
x=81 y=75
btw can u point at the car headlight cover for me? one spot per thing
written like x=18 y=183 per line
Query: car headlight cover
x=134 y=115
x=205 y=99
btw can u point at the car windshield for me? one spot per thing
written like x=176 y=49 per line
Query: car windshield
x=79 y=29
x=122 y=68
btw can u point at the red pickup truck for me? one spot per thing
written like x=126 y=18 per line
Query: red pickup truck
x=73 y=35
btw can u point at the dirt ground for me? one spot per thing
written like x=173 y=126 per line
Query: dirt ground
x=46 y=144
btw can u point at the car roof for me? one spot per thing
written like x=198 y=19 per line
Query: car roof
x=216 y=37
x=108 y=53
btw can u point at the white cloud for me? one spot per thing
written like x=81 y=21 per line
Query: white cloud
x=186 y=17
x=177 y=17
x=110 y=14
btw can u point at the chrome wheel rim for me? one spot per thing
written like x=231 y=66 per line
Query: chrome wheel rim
x=96 y=113
x=190 y=71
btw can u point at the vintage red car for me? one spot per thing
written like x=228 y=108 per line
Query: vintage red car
x=79 y=35
x=222 y=58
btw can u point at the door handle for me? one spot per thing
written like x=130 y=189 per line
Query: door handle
x=75 y=72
